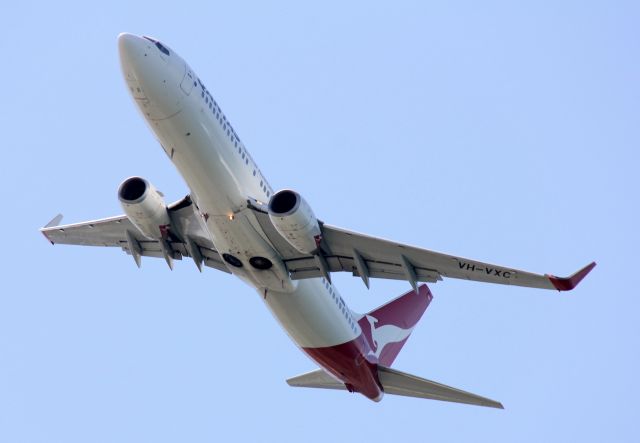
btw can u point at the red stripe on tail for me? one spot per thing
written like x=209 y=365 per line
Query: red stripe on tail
x=388 y=327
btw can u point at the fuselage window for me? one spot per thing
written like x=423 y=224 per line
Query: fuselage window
x=254 y=172
x=246 y=162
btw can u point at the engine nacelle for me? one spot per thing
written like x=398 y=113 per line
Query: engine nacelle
x=144 y=206
x=294 y=220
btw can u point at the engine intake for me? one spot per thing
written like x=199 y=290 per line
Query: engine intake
x=294 y=220
x=144 y=206
x=132 y=189
x=284 y=202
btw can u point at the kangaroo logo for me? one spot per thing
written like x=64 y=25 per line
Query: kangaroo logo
x=385 y=334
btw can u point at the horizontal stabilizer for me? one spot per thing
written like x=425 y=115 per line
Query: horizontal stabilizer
x=395 y=382
x=399 y=383
x=316 y=379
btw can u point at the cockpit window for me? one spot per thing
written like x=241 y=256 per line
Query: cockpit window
x=159 y=45
x=162 y=49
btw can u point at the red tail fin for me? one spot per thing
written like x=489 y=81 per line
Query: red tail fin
x=388 y=327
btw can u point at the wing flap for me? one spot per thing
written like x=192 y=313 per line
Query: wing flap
x=305 y=267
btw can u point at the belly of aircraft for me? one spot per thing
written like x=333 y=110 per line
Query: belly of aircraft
x=201 y=155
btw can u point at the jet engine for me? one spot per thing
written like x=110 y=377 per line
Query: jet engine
x=144 y=206
x=293 y=218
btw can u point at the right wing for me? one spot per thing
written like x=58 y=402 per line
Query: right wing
x=187 y=238
x=387 y=259
x=372 y=257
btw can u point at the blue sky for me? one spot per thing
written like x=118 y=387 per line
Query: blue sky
x=501 y=131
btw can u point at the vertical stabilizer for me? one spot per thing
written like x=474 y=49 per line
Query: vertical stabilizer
x=388 y=327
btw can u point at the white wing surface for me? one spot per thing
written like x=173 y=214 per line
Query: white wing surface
x=186 y=238
x=372 y=257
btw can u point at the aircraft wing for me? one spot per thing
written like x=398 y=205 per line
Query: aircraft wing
x=187 y=237
x=372 y=257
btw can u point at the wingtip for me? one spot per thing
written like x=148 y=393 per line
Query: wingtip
x=55 y=221
x=43 y=232
x=568 y=283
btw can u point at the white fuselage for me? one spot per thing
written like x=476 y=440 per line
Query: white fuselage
x=222 y=176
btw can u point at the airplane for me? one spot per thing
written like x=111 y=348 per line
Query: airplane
x=233 y=221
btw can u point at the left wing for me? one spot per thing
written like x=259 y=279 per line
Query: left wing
x=186 y=237
x=371 y=257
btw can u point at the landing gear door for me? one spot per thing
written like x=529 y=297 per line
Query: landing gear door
x=188 y=81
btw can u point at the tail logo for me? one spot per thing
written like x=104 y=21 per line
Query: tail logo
x=385 y=334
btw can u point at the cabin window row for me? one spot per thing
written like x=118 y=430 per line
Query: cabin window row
x=226 y=127
x=341 y=304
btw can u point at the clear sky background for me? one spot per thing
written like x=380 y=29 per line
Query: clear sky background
x=502 y=131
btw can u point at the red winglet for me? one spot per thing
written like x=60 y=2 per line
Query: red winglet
x=568 y=283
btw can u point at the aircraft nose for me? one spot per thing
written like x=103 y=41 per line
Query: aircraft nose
x=153 y=75
x=130 y=46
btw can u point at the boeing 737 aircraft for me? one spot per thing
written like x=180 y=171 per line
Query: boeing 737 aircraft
x=233 y=221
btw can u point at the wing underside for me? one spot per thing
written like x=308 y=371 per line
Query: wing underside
x=187 y=239
x=340 y=250
x=371 y=257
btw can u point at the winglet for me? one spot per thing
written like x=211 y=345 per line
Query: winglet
x=568 y=283
x=55 y=221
